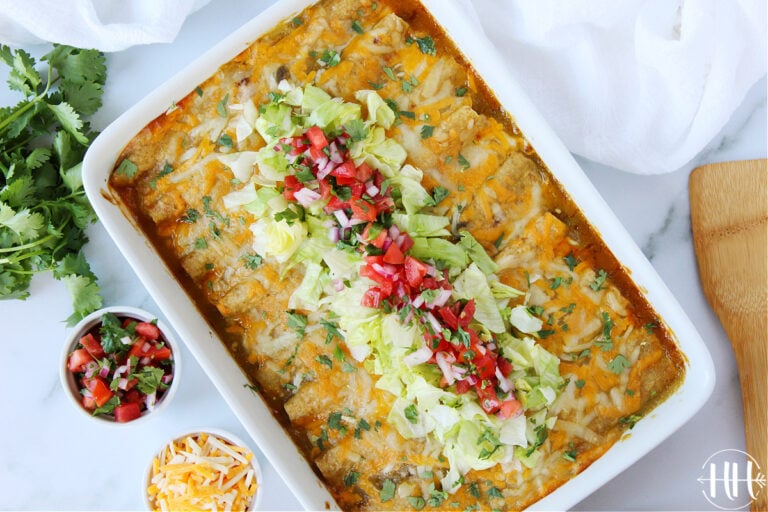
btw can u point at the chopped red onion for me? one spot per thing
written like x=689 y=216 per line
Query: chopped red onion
x=372 y=191
x=126 y=340
x=504 y=383
x=167 y=378
x=431 y=271
x=324 y=167
x=385 y=269
x=120 y=370
x=417 y=301
x=145 y=348
x=104 y=372
x=306 y=196
x=122 y=384
x=338 y=285
x=445 y=367
x=342 y=218
x=394 y=233
x=434 y=322
x=333 y=234
x=336 y=156
x=90 y=368
x=441 y=298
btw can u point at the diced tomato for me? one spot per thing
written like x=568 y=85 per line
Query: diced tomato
x=394 y=255
x=467 y=313
x=504 y=366
x=363 y=210
x=488 y=399
x=372 y=297
x=449 y=317
x=509 y=408
x=385 y=283
x=137 y=349
x=429 y=283
x=486 y=366
x=407 y=242
x=345 y=173
x=415 y=271
x=147 y=330
x=127 y=412
x=292 y=185
x=92 y=345
x=99 y=389
x=357 y=189
x=78 y=359
x=334 y=203
x=316 y=153
x=462 y=386
x=158 y=353
x=378 y=240
x=317 y=137
x=132 y=396
x=364 y=172
x=325 y=189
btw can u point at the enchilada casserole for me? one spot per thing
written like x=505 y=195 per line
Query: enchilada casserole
x=404 y=282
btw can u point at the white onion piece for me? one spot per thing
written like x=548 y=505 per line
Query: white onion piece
x=306 y=196
x=342 y=218
x=434 y=322
x=372 y=191
x=151 y=400
x=422 y=355
x=441 y=298
x=445 y=367
x=417 y=301
x=122 y=384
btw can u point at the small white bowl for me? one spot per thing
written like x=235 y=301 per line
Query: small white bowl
x=71 y=388
x=223 y=435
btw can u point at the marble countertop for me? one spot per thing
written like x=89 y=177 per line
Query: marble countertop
x=53 y=458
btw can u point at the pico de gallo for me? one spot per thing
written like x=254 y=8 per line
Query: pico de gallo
x=123 y=367
x=360 y=202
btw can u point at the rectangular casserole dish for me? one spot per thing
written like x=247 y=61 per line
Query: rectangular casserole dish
x=226 y=374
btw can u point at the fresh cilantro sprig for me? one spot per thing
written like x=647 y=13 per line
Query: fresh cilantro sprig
x=43 y=138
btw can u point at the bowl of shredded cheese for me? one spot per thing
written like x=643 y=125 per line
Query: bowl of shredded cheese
x=204 y=469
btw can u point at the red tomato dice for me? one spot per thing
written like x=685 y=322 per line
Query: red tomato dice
x=92 y=345
x=99 y=389
x=415 y=271
x=317 y=137
x=127 y=412
x=78 y=359
x=394 y=255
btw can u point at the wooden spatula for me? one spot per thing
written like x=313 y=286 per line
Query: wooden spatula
x=729 y=217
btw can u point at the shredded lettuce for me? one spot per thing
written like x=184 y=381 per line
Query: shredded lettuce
x=412 y=194
x=276 y=122
x=260 y=205
x=277 y=239
x=378 y=110
x=522 y=320
x=422 y=224
x=473 y=284
x=333 y=114
x=440 y=249
x=312 y=98
x=237 y=198
x=272 y=164
x=307 y=295
x=477 y=253
x=378 y=151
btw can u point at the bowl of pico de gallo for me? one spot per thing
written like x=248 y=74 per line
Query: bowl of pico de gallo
x=120 y=364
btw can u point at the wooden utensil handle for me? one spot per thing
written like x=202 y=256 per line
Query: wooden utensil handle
x=729 y=217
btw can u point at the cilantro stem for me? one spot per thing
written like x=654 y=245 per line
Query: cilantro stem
x=29 y=245
x=8 y=120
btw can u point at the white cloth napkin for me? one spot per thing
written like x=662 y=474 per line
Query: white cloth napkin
x=108 y=25
x=640 y=85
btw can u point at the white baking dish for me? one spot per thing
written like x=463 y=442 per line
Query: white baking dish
x=226 y=374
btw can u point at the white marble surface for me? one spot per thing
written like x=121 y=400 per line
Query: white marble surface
x=53 y=458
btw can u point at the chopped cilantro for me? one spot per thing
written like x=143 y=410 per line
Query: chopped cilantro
x=412 y=414
x=417 y=502
x=426 y=44
x=127 y=168
x=351 y=478
x=357 y=27
x=599 y=281
x=618 y=364
x=330 y=58
x=571 y=261
x=252 y=260
x=461 y=91
x=221 y=106
x=463 y=162
x=324 y=360
x=426 y=131
x=387 y=490
x=297 y=322
x=226 y=141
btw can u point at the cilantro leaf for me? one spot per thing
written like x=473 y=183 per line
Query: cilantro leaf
x=112 y=332
x=149 y=378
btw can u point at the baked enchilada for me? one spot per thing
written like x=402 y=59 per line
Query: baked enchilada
x=384 y=254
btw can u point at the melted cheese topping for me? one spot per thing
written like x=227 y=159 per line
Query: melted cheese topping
x=202 y=472
x=617 y=358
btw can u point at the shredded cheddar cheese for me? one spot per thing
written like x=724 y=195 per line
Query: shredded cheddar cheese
x=202 y=472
